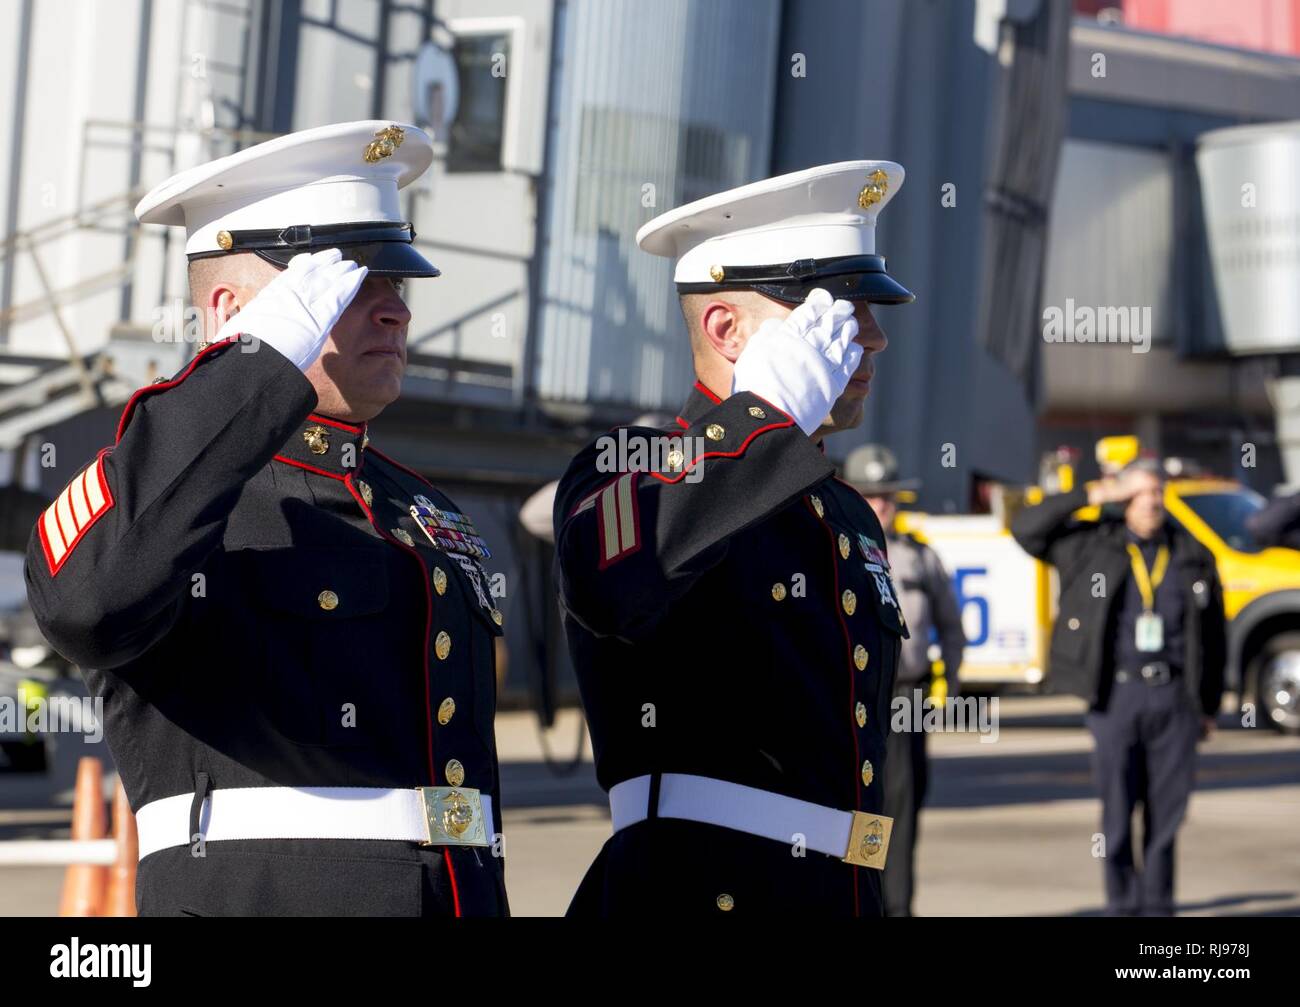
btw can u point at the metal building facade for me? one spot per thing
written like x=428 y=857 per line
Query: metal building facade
x=656 y=105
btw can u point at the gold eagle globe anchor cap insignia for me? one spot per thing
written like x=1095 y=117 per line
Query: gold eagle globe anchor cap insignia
x=385 y=144
x=786 y=236
x=334 y=186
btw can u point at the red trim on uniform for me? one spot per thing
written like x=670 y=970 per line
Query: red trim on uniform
x=683 y=424
x=703 y=390
x=848 y=646
x=622 y=552
x=723 y=454
x=162 y=386
x=70 y=542
x=428 y=626
x=309 y=468
x=339 y=424
x=596 y=493
x=451 y=873
x=45 y=546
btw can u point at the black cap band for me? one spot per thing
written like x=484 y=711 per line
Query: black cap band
x=847 y=277
x=383 y=246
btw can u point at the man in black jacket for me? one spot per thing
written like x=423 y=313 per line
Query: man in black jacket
x=289 y=630
x=1140 y=636
x=730 y=611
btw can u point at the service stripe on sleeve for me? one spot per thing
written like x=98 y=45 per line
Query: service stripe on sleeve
x=620 y=533
x=83 y=502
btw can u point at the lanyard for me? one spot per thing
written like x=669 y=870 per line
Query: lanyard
x=1148 y=582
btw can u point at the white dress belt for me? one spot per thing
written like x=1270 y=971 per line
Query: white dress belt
x=299 y=813
x=756 y=812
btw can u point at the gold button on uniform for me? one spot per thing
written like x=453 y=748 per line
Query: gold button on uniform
x=778 y=591
x=225 y=241
x=726 y=903
x=674 y=460
x=714 y=432
x=868 y=774
x=439 y=580
x=844 y=547
x=446 y=710
x=757 y=413
x=497 y=617
x=817 y=505
x=860 y=714
x=442 y=645
x=455 y=773
x=860 y=657
x=1074 y=623
x=366 y=494
x=717 y=274
x=328 y=600
x=850 y=602
x=401 y=535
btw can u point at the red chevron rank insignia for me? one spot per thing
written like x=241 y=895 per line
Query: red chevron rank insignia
x=83 y=502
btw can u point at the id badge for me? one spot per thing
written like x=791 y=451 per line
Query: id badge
x=1150 y=632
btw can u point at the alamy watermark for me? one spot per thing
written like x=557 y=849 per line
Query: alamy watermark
x=52 y=715
x=670 y=454
x=1085 y=324
x=917 y=713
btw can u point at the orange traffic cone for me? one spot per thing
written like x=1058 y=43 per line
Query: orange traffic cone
x=84 y=885
x=121 y=876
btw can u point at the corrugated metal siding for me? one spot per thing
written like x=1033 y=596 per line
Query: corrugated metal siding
x=677 y=95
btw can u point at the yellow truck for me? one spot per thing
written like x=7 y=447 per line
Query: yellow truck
x=1008 y=599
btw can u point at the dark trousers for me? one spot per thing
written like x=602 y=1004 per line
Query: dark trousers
x=907 y=775
x=1145 y=752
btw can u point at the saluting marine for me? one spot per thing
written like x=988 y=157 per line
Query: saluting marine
x=731 y=614
x=290 y=631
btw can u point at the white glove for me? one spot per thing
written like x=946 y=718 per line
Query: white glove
x=295 y=312
x=803 y=363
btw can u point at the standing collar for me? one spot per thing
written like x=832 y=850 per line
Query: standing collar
x=326 y=446
x=699 y=402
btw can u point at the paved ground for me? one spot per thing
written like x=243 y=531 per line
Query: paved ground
x=1008 y=831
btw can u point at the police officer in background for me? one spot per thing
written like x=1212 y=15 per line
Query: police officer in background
x=930 y=608
x=290 y=631
x=730 y=614
x=1140 y=635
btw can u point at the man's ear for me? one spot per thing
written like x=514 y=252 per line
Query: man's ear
x=222 y=305
x=720 y=323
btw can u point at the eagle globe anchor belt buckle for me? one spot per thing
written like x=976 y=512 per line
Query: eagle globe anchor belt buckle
x=428 y=816
x=454 y=816
x=855 y=837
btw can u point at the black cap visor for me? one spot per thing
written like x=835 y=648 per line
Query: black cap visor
x=849 y=278
x=381 y=258
x=383 y=247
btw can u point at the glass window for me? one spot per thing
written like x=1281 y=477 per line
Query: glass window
x=476 y=134
x=1226 y=514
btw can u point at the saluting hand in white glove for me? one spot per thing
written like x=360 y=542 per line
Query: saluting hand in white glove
x=295 y=312
x=803 y=363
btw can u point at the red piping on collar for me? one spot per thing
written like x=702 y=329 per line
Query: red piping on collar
x=338 y=424
x=704 y=390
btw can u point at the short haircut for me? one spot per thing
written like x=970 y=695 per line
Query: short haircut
x=1149 y=465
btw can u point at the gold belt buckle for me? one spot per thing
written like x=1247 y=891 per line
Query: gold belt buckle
x=869 y=840
x=453 y=816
